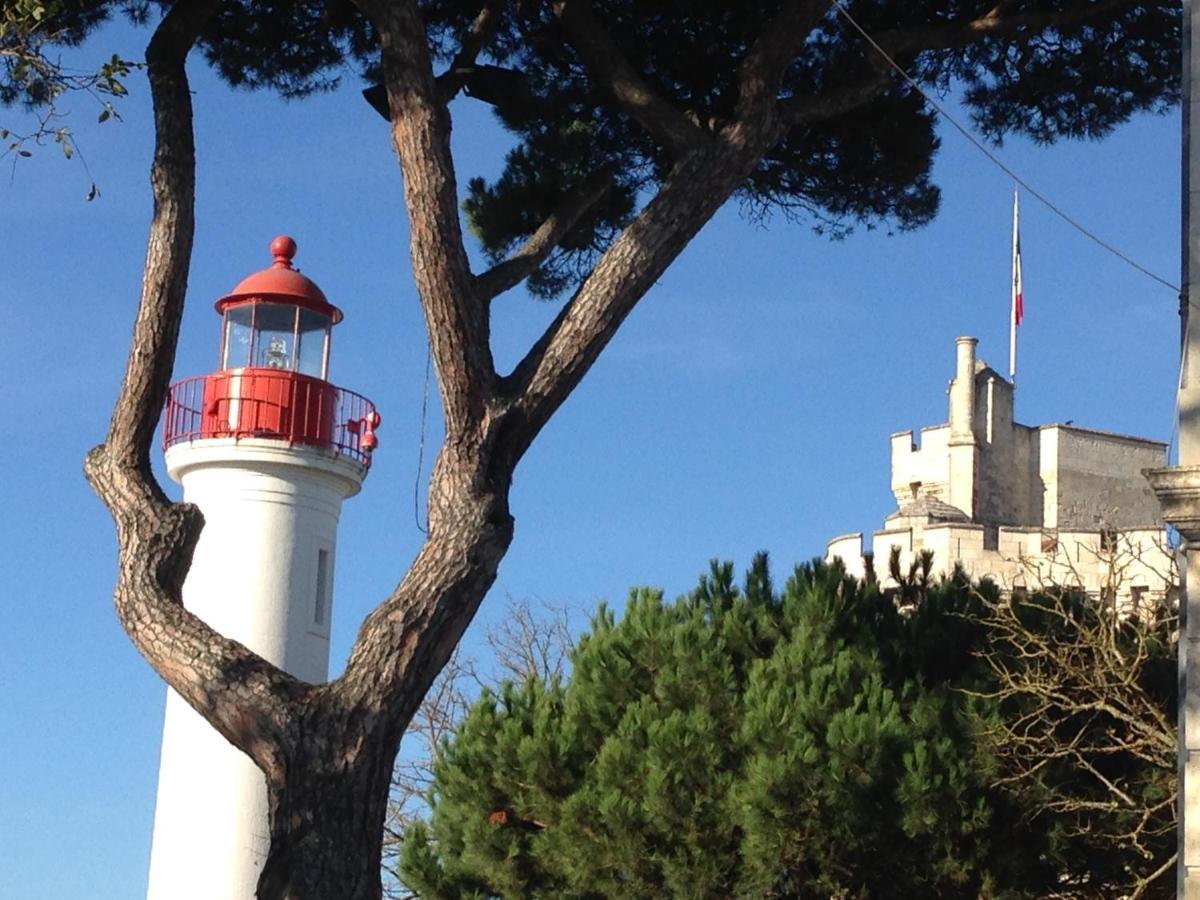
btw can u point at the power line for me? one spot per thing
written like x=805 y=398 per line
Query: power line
x=424 y=529
x=983 y=148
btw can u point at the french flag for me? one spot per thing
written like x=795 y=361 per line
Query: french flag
x=1018 y=296
x=1018 y=292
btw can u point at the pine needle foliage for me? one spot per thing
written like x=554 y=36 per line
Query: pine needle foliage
x=813 y=742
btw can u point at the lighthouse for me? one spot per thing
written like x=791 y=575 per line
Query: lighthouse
x=268 y=448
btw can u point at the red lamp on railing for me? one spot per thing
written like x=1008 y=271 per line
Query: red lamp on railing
x=274 y=360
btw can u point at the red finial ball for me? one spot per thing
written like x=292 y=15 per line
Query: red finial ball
x=283 y=248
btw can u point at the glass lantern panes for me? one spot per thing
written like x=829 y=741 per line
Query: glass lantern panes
x=239 y=323
x=274 y=336
x=313 y=334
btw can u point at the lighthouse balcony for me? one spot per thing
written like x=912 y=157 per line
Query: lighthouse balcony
x=271 y=404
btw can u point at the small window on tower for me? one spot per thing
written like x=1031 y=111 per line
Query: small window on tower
x=991 y=537
x=321 y=608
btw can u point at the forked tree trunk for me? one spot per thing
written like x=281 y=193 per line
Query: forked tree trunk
x=328 y=799
x=327 y=750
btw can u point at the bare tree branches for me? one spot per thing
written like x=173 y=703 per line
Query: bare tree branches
x=530 y=641
x=1085 y=689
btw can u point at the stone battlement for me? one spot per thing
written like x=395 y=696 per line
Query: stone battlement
x=1026 y=506
x=1134 y=564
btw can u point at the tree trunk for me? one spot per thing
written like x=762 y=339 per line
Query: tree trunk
x=327 y=750
x=327 y=814
x=328 y=797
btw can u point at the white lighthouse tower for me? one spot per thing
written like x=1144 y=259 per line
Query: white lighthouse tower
x=268 y=449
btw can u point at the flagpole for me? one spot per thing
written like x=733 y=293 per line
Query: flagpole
x=1014 y=313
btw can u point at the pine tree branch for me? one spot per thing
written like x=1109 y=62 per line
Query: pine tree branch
x=830 y=104
x=996 y=23
x=612 y=70
x=761 y=74
x=529 y=256
x=450 y=82
x=456 y=315
x=688 y=198
x=703 y=179
x=148 y=368
x=244 y=697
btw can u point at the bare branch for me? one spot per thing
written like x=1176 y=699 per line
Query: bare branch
x=528 y=642
x=532 y=643
x=530 y=255
x=1082 y=727
x=608 y=65
x=437 y=718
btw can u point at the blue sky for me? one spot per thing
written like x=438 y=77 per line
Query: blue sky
x=745 y=405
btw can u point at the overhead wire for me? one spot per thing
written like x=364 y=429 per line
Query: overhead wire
x=993 y=158
x=961 y=129
x=1034 y=192
x=424 y=529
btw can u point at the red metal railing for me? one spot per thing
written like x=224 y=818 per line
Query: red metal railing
x=271 y=403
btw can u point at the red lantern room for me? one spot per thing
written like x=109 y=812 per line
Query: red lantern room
x=277 y=319
x=273 y=380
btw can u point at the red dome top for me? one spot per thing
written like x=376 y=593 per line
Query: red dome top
x=281 y=284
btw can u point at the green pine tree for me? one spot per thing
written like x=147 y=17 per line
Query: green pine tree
x=810 y=743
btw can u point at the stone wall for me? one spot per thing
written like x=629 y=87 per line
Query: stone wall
x=1099 y=481
x=1135 y=564
x=1054 y=504
x=927 y=464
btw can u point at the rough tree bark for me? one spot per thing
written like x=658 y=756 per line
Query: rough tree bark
x=327 y=750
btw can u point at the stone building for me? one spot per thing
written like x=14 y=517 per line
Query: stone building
x=1024 y=505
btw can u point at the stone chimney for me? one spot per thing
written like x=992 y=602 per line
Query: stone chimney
x=962 y=393
x=964 y=453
